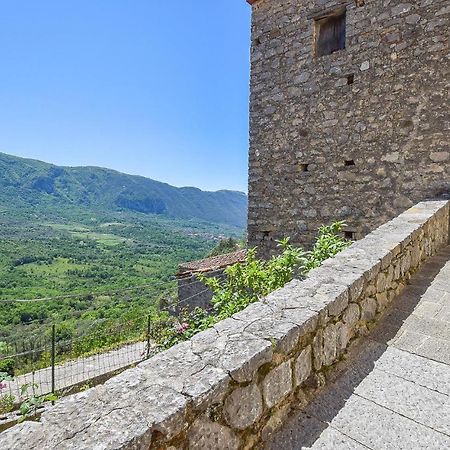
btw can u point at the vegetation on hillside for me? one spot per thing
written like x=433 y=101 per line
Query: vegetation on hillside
x=43 y=188
x=93 y=236
x=228 y=245
x=96 y=262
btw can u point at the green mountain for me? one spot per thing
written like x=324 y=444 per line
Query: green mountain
x=36 y=186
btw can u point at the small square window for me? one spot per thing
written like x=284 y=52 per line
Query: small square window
x=330 y=33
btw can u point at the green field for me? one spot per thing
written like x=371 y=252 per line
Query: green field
x=92 y=259
x=97 y=236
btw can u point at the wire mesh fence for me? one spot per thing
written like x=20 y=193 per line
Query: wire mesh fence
x=42 y=356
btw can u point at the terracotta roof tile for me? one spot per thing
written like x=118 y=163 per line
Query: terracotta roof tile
x=213 y=263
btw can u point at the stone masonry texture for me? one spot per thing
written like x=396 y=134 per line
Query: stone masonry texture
x=232 y=386
x=358 y=135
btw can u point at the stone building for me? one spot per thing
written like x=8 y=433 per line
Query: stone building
x=192 y=293
x=349 y=114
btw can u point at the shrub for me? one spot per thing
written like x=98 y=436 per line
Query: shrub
x=250 y=281
x=7 y=365
x=7 y=402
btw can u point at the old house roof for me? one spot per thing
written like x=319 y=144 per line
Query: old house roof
x=213 y=263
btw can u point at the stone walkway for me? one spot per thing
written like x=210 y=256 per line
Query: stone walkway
x=394 y=392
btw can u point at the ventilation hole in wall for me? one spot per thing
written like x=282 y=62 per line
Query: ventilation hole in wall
x=349 y=163
x=304 y=167
x=350 y=235
x=267 y=236
x=351 y=78
x=303 y=132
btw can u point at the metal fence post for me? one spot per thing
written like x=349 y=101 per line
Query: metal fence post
x=148 y=336
x=53 y=359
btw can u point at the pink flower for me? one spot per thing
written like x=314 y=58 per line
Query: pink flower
x=182 y=327
x=3 y=386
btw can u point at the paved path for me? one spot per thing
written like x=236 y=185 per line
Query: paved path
x=80 y=370
x=394 y=392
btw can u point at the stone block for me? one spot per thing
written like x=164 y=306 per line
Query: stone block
x=243 y=407
x=330 y=343
x=277 y=384
x=368 y=309
x=205 y=434
x=344 y=334
x=303 y=366
x=382 y=301
x=243 y=355
x=351 y=315
x=317 y=348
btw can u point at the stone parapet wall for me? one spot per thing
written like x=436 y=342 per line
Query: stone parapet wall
x=231 y=386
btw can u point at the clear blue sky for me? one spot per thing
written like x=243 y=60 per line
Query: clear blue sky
x=151 y=87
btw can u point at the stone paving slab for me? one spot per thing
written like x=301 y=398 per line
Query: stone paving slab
x=380 y=428
x=305 y=428
x=422 y=371
x=394 y=392
x=407 y=398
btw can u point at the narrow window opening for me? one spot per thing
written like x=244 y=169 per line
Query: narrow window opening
x=350 y=78
x=350 y=235
x=349 y=163
x=258 y=41
x=304 y=167
x=330 y=33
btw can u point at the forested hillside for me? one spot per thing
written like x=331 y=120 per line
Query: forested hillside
x=97 y=235
x=44 y=188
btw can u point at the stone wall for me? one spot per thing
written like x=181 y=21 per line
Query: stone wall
x=231 y=386
x=360 y=134
x=192 y=293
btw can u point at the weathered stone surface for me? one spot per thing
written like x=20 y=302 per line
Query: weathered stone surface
x=207 y=386
x=351 y=314
x=277 y=384
x=243 y=355
x=320 y=135
x=368 y=309
x=27 y=435
x=303 y=366
x=243 y=407
x=205 y=434
x=344 y=334
x=385 y=397
x=330 y=344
